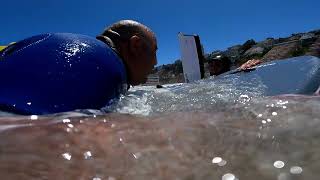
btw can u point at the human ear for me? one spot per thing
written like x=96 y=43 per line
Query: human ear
x=135 y=45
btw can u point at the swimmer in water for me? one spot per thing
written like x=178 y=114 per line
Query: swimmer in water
x=59 y=72
x=136 y=44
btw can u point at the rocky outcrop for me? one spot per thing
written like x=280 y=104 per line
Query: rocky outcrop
x=314 y=49
x=281 y=51
x=269 y=42
x=253 y=51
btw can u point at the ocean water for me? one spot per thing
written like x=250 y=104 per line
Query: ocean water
x=223 y=129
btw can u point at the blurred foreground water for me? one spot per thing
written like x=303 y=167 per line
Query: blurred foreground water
x=207 y=130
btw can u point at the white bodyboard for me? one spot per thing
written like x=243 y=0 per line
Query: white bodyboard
x=189 y=57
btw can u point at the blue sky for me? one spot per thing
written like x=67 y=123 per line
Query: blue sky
x=220 y=24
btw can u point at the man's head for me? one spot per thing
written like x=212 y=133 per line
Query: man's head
x=137 y=46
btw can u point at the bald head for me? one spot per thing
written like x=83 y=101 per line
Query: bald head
x=125 y=29
x=136 y=44
x=128 y=26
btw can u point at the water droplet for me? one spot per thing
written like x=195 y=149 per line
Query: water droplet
x=96 y=178
x=260 y=115
x=269 y=120
x=284 y=107
x=87 y=155
x=274 y=113
x=216 y=160
x=104 y=120
x=228 y=176
x=70 y=125
x=66 y=120
x=222 y=163
x=278 y=164
x=121 y=139
x=263 y=121
x=94 y=116
x=137 y=155
x=113 y=125
x=33 y=117
x=296 y=170
x=66 y=156
x=29 y=103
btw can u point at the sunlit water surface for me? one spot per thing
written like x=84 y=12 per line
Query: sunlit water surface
x=206 y=130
